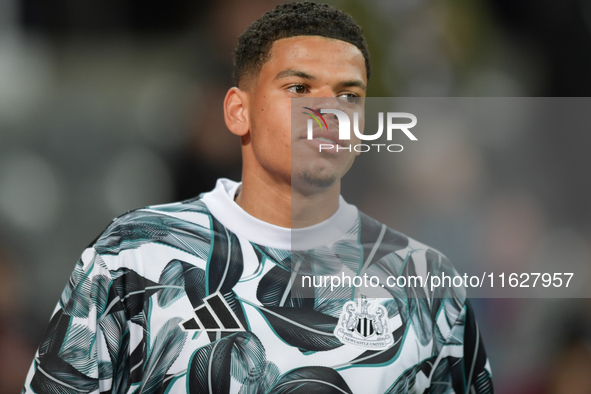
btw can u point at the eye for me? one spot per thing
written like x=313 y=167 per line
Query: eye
x=351 y=98
x=298 y=89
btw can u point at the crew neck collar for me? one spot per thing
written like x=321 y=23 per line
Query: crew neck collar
x=220 y=202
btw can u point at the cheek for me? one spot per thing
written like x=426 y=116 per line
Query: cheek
x=271 y=125
x=281 y=129
x=271 y=139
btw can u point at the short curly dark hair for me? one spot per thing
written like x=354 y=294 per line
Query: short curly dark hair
x=290 y=20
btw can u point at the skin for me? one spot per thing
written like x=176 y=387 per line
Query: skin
x=317 y=68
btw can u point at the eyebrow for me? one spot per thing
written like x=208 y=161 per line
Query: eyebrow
x=291 y=72
x=354 y=83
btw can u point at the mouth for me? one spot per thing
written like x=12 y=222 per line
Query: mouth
x=327 y=140
x=323 y=136
x=329 y=137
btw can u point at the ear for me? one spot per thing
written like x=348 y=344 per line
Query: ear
x=236 y=111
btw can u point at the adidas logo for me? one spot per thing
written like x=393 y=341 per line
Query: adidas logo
x=214 y=315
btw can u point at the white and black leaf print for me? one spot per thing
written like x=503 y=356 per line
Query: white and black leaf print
x=439 y=340
x=263 y=383
x=377 y=240
x=279 y=257
x=136 y=360
x=441 y=378
x=138 y=354
x=349 y=253
x=276 y=289
x=167 y=346
x=99 y=292
x=281 y=287
x=305 y=329
x=114 y=328
x=53 y=374
x=137 y=290
x=331 y=302
x=179 y=278
x=321 y=261
x=311 y=380
x=232 y=301
x=240 y=355
x=483 y=383
x=372 y=357
x=74 y=299
x=405 y=383
x=56 y=376
x=457 y=333
x=225 y=265
x=475 y=358
x=392 y=307
x=77 y=349
x=122 y=367
x=137 y=228
x=54 y=334
x=418 y=306
x=191 y=205
x=390 y=265
x=449 y=377
x=105 y=369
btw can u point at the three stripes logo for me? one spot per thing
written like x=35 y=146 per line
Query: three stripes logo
x=214 y=315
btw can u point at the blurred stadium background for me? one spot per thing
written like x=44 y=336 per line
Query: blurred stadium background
x=110 y=105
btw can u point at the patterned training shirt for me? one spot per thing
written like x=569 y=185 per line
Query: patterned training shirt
x=200 y=297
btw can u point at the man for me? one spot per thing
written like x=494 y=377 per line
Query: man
x=203 y=296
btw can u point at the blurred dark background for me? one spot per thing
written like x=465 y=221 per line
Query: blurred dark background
x=110 y=105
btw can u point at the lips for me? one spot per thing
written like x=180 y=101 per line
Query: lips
x=328 y=136
x=323 y=139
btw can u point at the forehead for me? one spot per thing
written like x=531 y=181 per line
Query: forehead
x=316 y=54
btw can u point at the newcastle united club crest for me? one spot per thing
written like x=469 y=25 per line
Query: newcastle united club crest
x=364 y=324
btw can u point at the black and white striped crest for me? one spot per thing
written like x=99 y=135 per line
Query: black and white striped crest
x=365 y=327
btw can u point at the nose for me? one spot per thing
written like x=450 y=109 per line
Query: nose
x=325 y=91
x=323 y=98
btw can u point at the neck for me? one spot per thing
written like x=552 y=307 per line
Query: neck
x=277 y=203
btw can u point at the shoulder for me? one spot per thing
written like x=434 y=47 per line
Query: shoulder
x=375 y=234
x=402 y=255
x=171 y=224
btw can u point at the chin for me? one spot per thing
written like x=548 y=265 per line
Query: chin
x=315 y=178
